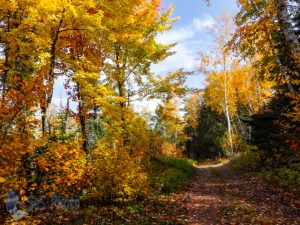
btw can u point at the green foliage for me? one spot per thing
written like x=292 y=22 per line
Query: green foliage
x=174 y=174
x=205 y=141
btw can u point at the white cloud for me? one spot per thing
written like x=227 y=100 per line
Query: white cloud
x=184 y=58
x=203 y=24
x=186 y=32
x=188 y=45
x=173 y=36
x=148 y=105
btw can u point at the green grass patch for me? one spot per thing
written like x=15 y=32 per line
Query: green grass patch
x=185 y=165
x=173 y=175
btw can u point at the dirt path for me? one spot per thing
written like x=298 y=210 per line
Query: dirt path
x=218 y=196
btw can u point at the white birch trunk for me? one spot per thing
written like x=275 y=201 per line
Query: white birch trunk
x=288 y=32
x=227 y=108
x=284 y=21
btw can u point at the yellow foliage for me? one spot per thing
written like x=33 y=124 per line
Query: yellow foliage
x=63 y=166
x=243 y=89
x=43 y=40
x=115 y=175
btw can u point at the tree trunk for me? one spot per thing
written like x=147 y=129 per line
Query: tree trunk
x=121 y=79
x=281 y=67
x=227 y=109
x=51 y=76
x=82 y=121
x=257 y=88
x=286 y=19
x=288 y=32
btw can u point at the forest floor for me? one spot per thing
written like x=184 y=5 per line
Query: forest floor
x=216 y=195
x=219 y=196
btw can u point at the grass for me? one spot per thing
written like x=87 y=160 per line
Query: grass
x=174 y=175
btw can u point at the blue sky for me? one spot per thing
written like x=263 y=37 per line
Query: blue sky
x=191 y=34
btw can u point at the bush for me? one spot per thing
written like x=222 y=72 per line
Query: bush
x=116 y=177
x=54 y=168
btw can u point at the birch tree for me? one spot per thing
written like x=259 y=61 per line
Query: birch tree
x=220 y=59
x=286 y=26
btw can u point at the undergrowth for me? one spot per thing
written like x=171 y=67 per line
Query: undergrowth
x=286 y=175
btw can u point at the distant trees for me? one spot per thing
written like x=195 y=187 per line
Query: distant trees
x=207 y=128
x=262 y=83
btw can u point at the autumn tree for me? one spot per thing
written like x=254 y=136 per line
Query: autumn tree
x=265 y=27
x=260 y=33
x=104 y=50
x=221 y=58
x=23 y=54
x=129 y=42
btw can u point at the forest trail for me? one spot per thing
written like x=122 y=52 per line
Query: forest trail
x=219 y=196
x=216 y=196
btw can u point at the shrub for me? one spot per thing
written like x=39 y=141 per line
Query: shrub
x=116 y=176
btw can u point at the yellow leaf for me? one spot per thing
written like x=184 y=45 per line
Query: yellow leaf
x=24 y=198
x=22 y=192
x=2 y=180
